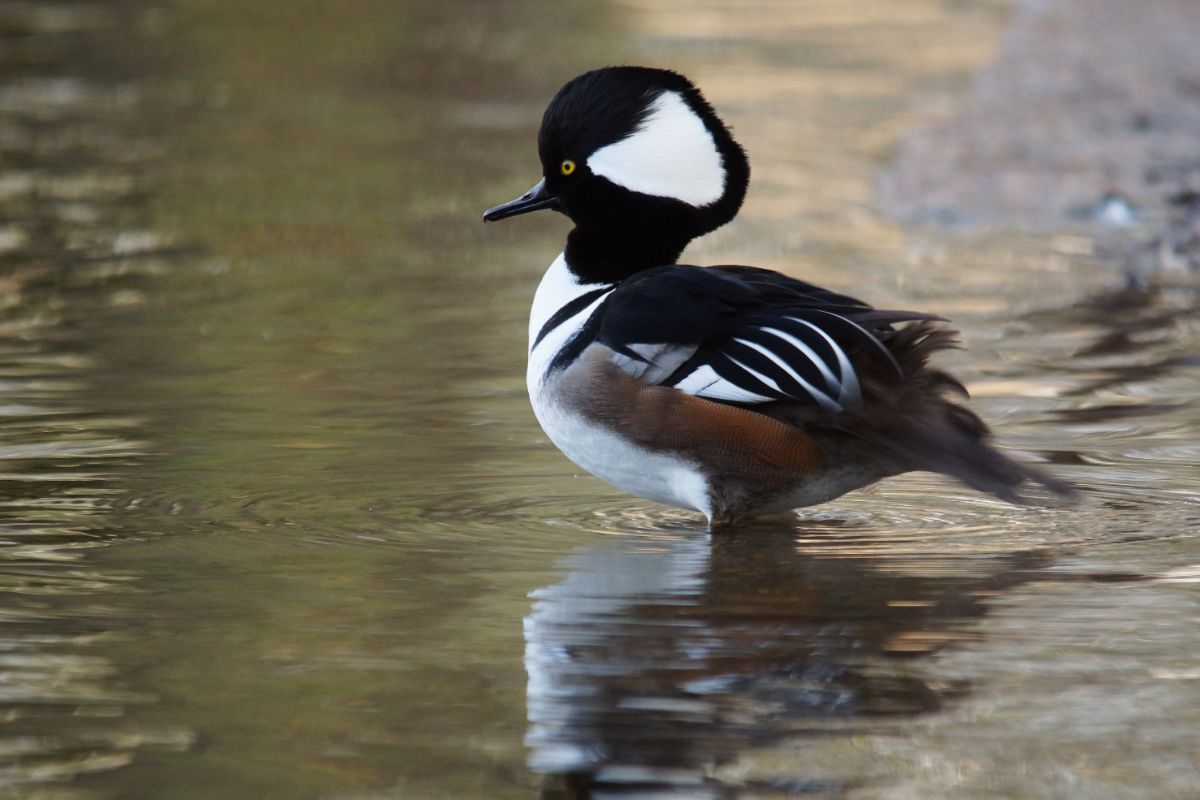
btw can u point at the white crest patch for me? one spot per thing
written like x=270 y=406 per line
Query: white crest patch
x=671 y=154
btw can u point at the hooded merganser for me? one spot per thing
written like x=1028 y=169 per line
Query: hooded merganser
x=735 y=391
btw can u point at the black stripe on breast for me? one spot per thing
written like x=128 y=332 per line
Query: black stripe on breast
x=569 y=310
x=583 y=337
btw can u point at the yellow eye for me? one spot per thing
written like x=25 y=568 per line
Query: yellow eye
x=567 y=167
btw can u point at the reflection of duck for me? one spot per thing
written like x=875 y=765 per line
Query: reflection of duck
x=654 y=661
x=734 y=391
x=1137 y=334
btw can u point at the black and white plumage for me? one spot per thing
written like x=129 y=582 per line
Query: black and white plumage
x=742 y=335
x=732 y=390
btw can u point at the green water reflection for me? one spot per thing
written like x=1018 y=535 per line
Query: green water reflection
x=274 y=505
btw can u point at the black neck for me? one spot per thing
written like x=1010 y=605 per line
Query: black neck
x=603 y=256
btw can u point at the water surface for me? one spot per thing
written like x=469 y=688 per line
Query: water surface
x=278 y=521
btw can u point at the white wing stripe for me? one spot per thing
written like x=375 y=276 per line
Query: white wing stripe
x=756 y=374
x=812 y=355
x=649 y=351
x=656 y=362
x=850 y=390
x=821 y=397
x=705 y=382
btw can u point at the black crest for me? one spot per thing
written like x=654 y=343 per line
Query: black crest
x=618 y=231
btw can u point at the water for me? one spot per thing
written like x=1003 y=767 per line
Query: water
x=278 y=521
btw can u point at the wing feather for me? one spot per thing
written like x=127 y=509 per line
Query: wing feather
x=745 y=336
x=807 y=359
x=737 y=373
x=705 y=382
x=786 y=360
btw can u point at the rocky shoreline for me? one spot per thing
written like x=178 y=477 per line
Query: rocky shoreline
x=1089 y=120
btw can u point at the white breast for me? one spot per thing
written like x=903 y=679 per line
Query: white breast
x=656 y=476
x=559 y=287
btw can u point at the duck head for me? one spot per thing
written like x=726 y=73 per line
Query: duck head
x=640 y=162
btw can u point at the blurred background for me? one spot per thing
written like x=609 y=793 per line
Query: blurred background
x=276 y=518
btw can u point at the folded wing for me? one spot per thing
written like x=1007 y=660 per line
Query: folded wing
x=746 y=336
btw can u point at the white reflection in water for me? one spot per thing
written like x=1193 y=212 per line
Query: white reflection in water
x=655 y=667
x=652 y=664
x=582 y=616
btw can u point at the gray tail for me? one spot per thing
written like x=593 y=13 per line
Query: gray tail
x=953 y=441
x=923 y=429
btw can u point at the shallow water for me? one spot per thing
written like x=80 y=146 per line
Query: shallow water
x=278 y=521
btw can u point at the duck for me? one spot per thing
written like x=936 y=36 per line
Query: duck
x=734 y=391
